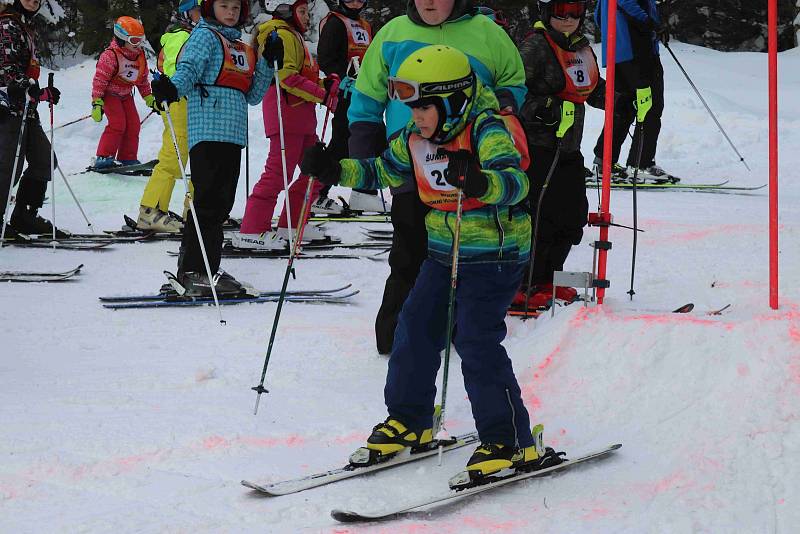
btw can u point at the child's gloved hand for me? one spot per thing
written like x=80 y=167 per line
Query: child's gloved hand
x=464 y=172
x=51 y=95
x=97 y=109
x=273 y=50
x=164 y=90
x=320 y=163
x=151 y=102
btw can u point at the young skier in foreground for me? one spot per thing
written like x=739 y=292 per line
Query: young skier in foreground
x=456 y=140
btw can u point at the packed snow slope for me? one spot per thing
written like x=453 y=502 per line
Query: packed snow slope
x=143 y=421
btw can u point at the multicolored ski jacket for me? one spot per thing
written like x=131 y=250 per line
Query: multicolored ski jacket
x=491 y=52
x=215 y=113
x=16 y=52
x=492 y=233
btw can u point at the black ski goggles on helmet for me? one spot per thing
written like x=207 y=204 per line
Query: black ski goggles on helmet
x=408 y=90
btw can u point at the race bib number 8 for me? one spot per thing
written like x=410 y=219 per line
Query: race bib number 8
x=579 y=76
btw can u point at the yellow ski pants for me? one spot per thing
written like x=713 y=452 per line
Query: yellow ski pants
x=158 y=191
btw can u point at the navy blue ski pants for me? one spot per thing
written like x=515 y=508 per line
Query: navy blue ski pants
x=483 y=294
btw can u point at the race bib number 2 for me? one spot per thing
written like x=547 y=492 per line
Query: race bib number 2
x=435 y=173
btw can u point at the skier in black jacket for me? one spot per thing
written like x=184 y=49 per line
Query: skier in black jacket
x=18 y=67
x=344 y=37
x=560 y=66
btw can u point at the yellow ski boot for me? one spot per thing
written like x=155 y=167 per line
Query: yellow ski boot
x=494 y=460
x=388 y=439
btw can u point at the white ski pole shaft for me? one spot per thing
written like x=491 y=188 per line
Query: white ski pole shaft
x=77 y=203
x=211 y=280
x=14 y=172
x=52 y=164
x=283 y=155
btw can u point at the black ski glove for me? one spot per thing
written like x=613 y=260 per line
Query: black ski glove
x=464 y=171
x=5 y=108
x=663 y=34
x=321 y=164
x=273 y=50
x=16 y=92
x=164 y=90
x=549 y=113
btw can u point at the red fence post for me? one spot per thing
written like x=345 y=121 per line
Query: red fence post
x=773 y=153
x=608 y=128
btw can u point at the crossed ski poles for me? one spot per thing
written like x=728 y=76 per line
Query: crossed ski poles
x=294 y=245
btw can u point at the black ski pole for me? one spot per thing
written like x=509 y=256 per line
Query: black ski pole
x=567 y=119
x=703 y=100
x=295 y=247
x=640 y=128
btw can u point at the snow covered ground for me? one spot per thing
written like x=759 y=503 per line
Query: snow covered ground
x=142 y=420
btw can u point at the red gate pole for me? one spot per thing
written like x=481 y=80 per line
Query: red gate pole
x=610 y=18
x=773 y=153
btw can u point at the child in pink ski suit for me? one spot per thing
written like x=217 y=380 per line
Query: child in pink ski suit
x=301 y=90
x=120 y=67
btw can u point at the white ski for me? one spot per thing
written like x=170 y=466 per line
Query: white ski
x=287 y=487
x=388 y=512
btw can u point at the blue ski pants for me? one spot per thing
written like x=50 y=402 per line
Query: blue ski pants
x=483 y=293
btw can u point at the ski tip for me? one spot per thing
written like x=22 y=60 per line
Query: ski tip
x=255 y=487
x=686 y=308
x=344 y=516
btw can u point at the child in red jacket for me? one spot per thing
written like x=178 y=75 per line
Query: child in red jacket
x=120 y=67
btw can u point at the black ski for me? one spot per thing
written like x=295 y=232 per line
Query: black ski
x=140 y=169
x=21 y=276
x=26 y=241
x=183 y=302
x=162 y=296
x=347 y=516
x=248 y=254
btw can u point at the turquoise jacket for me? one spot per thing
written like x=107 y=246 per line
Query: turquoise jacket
x=215 y=113
x=491 y=52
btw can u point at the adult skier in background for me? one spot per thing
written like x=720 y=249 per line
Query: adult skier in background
x=560 y=66
x=301 y=90
x=120 y=68
x=497 y=63
x=19 y=65
x=344 y=37
x=456 y=141
x=154 y=211
x=221 y=75
x=639 y=75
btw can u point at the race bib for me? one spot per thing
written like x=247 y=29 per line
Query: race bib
x=360 y=35
x=130 y=72
x=579 y=76
x=435 y=172
x=239 y=60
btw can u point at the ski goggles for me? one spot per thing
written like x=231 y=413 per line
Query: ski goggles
x=408 y=90
x=564 y=10
x=135 y=40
